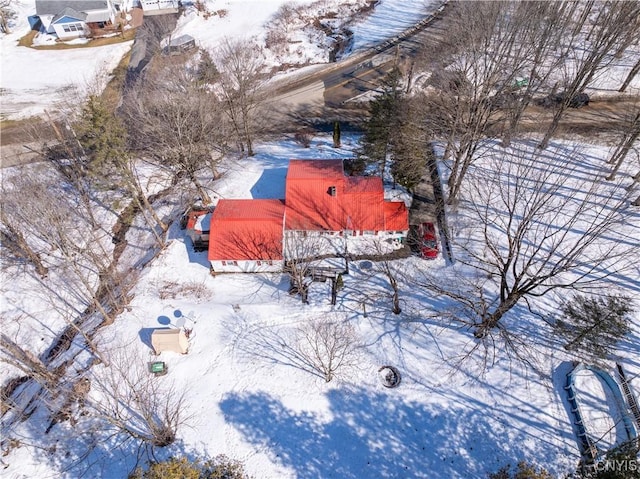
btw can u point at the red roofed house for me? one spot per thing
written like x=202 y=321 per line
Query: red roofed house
x=248 y=235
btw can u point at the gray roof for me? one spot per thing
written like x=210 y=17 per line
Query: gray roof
x=181 y=40
x=69 y=12
x=54 y=7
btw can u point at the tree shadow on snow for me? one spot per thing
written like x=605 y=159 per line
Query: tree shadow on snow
x=373 y=435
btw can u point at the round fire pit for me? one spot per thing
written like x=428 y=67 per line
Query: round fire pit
x=389 y=376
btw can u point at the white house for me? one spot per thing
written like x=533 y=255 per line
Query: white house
x=159 y=7
x=74 y=18
x=320 y=201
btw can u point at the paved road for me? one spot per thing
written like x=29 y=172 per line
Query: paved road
x=329 y=90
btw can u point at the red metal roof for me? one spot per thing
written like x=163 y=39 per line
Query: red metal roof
x=396 y=216
x=264 y=209
x=315 y=169
x=246 y=230
x=320 y=197
x=363 y=184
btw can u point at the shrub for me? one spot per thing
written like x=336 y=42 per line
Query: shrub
x=182 y=468
x=304 y=137
x=524 y=470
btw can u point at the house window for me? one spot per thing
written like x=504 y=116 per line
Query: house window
x=369 y=233
x=73 y=27
x=259 y=263
x=224 y=263
x=270 y=263
x=234 y=263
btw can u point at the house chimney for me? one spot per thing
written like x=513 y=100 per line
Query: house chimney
x=332 y=191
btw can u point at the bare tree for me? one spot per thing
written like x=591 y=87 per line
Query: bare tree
x=14 y=241
x=390 y=270
x=476 y=69
x=326 y=347
x=131 y=401
x=279 y=28
x=6 y=13
x=542 y=26
x=610 y=27
x=627 y=142
x=391 y=273
x=45 y=212
x=103 y=138
x=241 y=77
x=70 y=160
x=26 y=362
x=178 y=124
x=536 y=224
x=301 y=248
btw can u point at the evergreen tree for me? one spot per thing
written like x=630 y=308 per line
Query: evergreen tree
x=593 y=325
x=207 y=71
x=381 y=128
x=101 y=134
x=409 y=150
x=336 y=134
x=103 y=138
x=619 y=463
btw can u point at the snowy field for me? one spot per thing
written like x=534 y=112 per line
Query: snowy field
x=33 y=81
x=251 y=397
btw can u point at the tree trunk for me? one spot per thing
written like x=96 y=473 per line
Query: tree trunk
x=621 y=154
x=203 y=194
x=336 y=134
x=553 y=127
x=26 y=362
x=15 y=241
x=396 y=303
x=491 y=320
x=632 y=74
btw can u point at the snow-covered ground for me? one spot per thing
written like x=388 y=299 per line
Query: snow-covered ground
x=250 y=396
x=35 y=80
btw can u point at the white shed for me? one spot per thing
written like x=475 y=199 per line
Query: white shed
x=169 y=339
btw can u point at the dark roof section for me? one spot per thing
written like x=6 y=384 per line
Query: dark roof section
x=54 y=7
x=69 y=12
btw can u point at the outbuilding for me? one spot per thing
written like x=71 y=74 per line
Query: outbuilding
x=169 y=339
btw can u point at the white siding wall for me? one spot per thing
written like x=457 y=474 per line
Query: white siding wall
x=62 y=34
x=231 y=266
x=150 y=5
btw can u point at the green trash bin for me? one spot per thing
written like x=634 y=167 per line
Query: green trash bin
x=159 y=368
